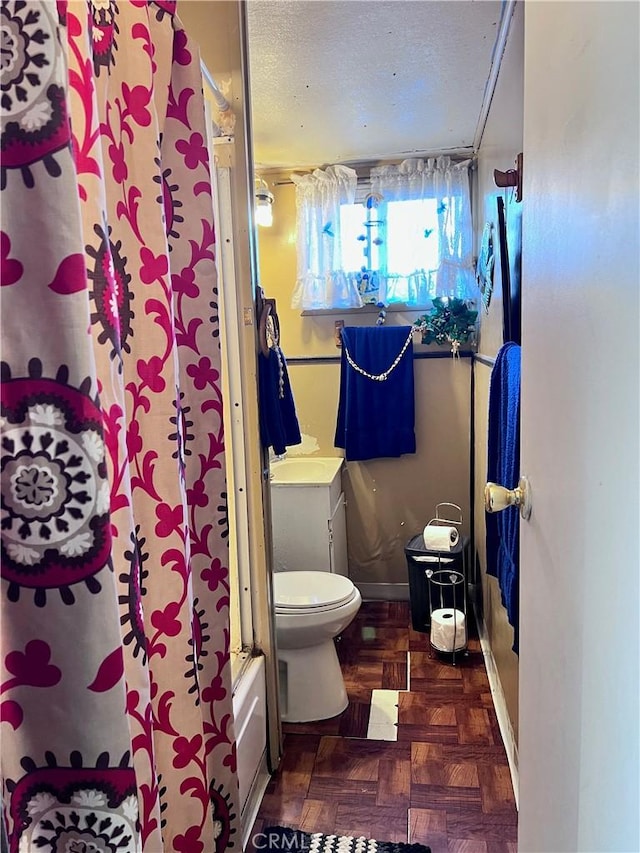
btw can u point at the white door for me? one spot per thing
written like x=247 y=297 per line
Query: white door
x=579 y=640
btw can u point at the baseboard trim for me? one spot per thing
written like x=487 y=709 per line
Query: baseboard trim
x=254 y=799
x=500 y=705
x=383 y=591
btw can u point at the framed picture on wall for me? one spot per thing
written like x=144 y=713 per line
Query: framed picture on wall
x=484 y=267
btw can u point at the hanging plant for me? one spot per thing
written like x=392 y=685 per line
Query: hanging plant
x=450 y=321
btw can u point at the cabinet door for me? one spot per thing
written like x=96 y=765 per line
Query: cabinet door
x=338 y=539
x=300 y=534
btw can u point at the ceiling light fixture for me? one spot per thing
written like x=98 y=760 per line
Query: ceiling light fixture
x=264 y=204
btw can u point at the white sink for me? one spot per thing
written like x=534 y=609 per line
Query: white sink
x=306 y=471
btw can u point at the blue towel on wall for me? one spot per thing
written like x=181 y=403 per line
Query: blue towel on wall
x=278 y=420
x=376 y=419
x=503 y=467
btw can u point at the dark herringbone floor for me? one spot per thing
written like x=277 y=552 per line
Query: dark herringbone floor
x=444 y=782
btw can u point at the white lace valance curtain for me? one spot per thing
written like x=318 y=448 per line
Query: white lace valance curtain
x=444 y=184
x=424 y=250
x=321 y=281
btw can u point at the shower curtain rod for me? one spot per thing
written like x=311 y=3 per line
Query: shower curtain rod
x=221 y=101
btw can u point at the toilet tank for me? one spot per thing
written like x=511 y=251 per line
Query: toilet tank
x=308 y=514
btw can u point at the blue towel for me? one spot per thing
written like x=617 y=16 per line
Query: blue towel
x=503 y=467
x=278 y=419
x=376 y=419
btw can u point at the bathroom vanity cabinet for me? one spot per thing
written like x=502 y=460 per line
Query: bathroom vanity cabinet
x=308 y=513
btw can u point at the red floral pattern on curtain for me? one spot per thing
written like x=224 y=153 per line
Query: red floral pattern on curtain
x=117 y=726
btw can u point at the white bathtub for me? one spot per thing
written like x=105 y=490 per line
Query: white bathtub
x=250 y=721
x=306 y=470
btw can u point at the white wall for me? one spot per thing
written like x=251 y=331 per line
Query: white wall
x=579 y=688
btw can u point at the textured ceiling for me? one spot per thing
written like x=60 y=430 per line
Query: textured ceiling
x=346 y=80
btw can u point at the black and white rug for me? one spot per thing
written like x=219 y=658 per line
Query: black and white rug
x=283 y=838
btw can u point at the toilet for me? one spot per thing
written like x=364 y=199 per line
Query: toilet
x=311 y=609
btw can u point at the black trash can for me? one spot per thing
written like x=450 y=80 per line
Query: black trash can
x=419 y=559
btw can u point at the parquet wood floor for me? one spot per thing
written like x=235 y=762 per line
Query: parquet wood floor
x=444 y=782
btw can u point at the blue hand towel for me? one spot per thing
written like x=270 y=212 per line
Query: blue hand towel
x=503 y=467
x=376 y=418
x=278 y=420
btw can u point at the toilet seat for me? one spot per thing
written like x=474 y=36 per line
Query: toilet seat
x=310 y=592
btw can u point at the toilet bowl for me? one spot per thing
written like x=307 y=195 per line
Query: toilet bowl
x=311 y=609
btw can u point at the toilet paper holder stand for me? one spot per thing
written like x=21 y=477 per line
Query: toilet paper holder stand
x=440 y=519
x=451 y=592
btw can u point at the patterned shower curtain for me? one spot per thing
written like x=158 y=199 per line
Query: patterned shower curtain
x=117 y=727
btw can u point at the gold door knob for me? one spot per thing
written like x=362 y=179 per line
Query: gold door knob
x=497 y=498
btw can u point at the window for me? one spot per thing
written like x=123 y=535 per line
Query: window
x=395 y=243
x=403 y=239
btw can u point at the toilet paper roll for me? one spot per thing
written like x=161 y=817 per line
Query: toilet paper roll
x=439 y=537
x=448 y=630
